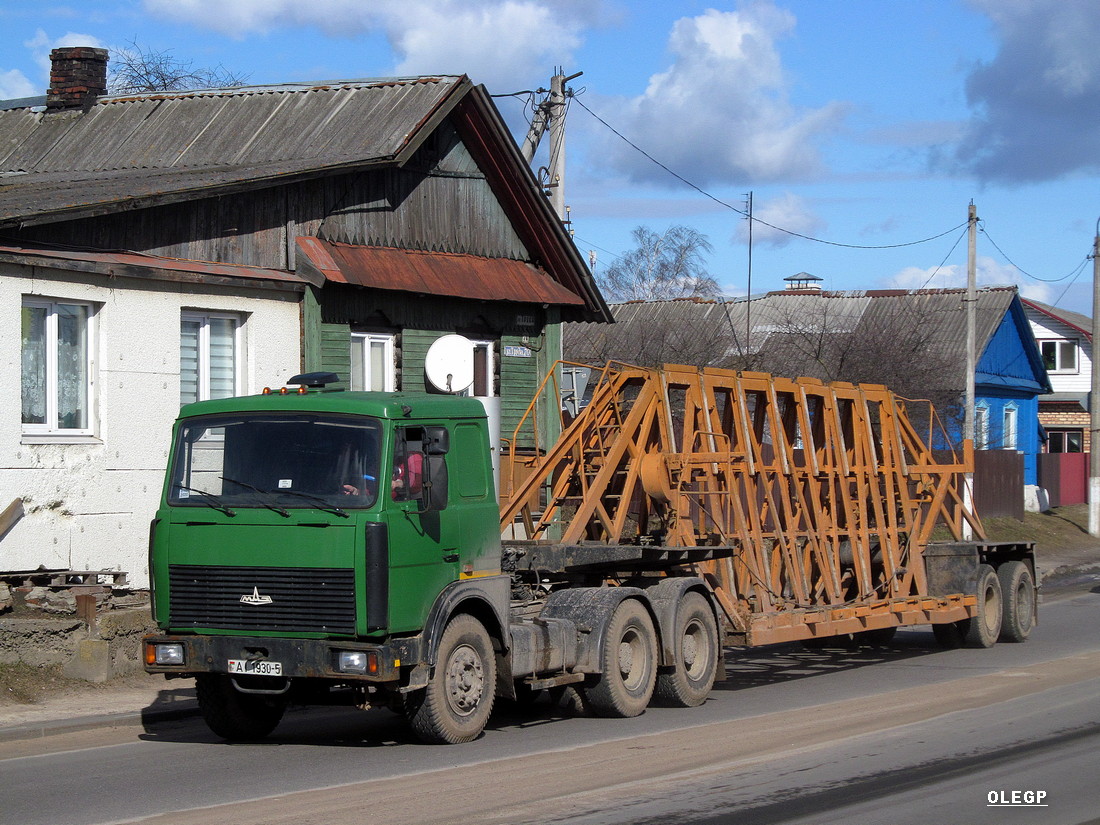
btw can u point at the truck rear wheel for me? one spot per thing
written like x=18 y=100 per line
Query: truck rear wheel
x=1018 y=599
x=697 y=656
x=629 y=663
x=456 y=704
x=235 y=715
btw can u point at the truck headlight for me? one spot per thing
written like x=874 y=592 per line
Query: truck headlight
x=357 y=661
x=168 y=654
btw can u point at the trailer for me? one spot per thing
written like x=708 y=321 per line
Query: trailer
x=322 y=546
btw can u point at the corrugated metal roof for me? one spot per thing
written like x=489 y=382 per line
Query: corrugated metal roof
x=172 y=142
x=938 y=314
x=1079 y=322
x=134 y=264
x=436 y=273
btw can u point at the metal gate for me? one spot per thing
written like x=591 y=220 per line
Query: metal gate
x=999 y=483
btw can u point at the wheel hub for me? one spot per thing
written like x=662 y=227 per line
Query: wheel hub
x=465 y=680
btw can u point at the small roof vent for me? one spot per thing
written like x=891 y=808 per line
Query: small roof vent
x=804 y=282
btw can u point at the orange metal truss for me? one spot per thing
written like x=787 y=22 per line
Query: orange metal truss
x=826 y=493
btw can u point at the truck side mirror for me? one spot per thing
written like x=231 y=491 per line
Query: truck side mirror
x=437 y=440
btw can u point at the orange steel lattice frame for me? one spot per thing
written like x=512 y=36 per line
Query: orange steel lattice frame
x=826 y=493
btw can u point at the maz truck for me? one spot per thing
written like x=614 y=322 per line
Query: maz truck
x=320 y=546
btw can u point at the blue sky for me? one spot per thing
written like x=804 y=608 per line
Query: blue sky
x=865 y=123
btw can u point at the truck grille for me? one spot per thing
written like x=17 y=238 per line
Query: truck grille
x=262 y=599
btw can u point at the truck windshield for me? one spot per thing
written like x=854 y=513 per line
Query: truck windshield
x=278 y=462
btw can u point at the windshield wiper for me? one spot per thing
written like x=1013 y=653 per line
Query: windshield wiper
x=209 y=499
x=324 y=505
x=268 y=505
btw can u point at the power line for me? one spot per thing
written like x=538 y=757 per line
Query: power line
x=743 y=213
x=1075 y=271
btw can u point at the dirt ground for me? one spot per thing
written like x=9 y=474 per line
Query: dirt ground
x=1061 y=537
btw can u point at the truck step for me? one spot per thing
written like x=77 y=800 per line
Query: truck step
x=553 y=681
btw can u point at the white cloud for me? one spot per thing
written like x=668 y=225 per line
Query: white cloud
x=502 y=43
x=720 y=112
x=988 y=272
x=789 y=212
x=14 y=84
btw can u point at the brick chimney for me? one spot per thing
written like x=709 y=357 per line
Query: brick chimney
x=78 y=76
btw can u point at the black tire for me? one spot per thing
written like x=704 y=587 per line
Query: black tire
x=951 y=635
x=697 y=656
x=456 y=704
x=879 y=637
x=628 y=664
x=235 y=715
x=1018 y=601
x=985 y=627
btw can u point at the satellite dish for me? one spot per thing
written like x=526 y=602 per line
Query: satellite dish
x=450 y=363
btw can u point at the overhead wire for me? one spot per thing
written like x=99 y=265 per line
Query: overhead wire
x=743 y=213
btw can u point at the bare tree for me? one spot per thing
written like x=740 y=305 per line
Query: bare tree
x=140 y=69
x=661 y=266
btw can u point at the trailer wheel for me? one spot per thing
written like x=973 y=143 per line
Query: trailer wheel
x=456 y=704
x=629 y=663
x=983 y=629
x=697 y=655
x=235 y=715
x=1018 y=601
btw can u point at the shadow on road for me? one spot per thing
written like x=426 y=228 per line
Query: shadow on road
x=750 y=667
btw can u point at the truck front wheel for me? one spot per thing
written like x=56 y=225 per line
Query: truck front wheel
x=456 y=704
x=629 y=663
x=696 y=656
x=235 y=715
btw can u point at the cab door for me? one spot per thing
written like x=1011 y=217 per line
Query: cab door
x=423 y=540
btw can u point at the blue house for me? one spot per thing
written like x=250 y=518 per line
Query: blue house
x=1008 y=381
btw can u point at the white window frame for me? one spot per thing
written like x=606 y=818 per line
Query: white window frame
x=486 y=350
x=1059 y=348
x=204 y=319
x=363 y=341
x=50 y=427
x=981 y=427
x=1010 y=430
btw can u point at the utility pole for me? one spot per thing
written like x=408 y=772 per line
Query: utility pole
x=1094 y=395
x=748 y=286
x=971 y=356
x=551 y=112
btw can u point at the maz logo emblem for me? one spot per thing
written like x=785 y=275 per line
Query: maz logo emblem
x=255 y=598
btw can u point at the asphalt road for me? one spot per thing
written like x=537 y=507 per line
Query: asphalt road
x=911 y=735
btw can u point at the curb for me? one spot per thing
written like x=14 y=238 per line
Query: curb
x=146 y=717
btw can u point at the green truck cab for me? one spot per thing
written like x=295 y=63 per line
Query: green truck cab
x=323 y=546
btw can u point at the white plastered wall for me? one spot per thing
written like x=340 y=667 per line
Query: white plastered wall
x=88 y=502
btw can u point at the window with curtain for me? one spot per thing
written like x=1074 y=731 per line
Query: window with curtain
x=981 y=427
x=209 y=356
x=372 y=362
x=56 y=367
x=1008 y=442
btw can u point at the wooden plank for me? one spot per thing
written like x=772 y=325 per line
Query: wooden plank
x=10 y=517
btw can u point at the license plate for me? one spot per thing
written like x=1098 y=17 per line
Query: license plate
x=255 y=668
